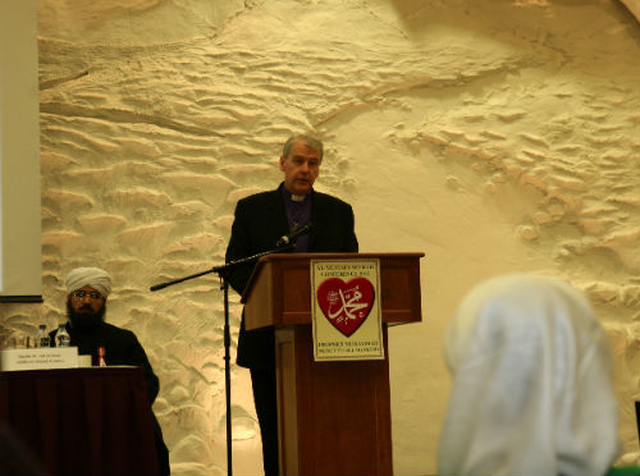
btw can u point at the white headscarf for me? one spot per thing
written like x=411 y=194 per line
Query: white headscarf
x=533 y=391
x=96 y=278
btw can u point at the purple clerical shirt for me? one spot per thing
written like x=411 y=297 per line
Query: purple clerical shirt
x=298 y=213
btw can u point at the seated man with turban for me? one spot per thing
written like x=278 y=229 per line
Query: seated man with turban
x=88 y=290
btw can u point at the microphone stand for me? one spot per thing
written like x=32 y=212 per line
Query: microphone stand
x=222 y=273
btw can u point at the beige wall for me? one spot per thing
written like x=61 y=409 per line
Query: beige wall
x=494 y=136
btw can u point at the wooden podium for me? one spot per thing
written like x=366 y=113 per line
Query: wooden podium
x=334 y=417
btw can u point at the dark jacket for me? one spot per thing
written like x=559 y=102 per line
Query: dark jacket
x=260 y=220
x=121 y=348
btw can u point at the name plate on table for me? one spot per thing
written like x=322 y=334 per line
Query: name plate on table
x=37 y=359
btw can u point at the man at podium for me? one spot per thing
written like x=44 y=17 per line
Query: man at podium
x=262 y=222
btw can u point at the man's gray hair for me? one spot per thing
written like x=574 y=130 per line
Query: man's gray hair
x=310 y=141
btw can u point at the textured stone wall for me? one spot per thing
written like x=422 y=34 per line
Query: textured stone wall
x=494 y=136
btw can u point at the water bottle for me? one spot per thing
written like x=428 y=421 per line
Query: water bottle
x=42 y=338
x=62 y=336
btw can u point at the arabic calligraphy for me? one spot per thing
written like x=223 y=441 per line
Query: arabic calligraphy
x=346 y=305
x=349 y=305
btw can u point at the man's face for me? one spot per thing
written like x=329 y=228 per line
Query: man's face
x=301 y=168
x=85 y=307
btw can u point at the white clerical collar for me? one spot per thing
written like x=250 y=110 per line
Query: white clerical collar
x=297 y=198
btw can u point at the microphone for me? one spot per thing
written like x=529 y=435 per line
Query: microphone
x=294 y=233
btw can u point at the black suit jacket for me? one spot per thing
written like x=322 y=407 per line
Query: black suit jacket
x=121 y=348
x=260 y=220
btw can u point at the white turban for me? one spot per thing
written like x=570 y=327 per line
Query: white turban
x=96 y=278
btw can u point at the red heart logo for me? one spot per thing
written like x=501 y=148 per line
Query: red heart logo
x=346 y=305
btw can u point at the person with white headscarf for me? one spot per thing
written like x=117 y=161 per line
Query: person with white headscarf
x=88 y=289
x=532 y=383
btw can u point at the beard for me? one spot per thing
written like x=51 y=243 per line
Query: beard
x=87 y=319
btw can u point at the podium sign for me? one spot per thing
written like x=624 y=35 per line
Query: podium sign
x=345 y=309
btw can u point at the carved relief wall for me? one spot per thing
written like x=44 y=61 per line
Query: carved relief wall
x=495 y=136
